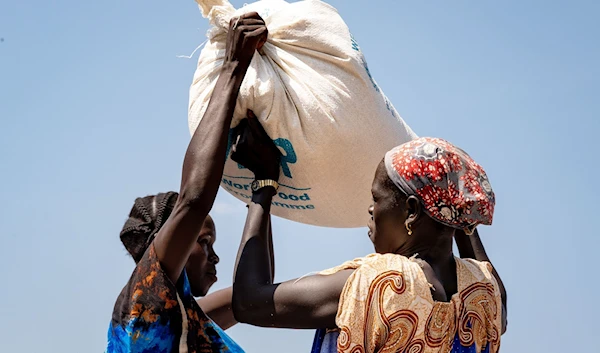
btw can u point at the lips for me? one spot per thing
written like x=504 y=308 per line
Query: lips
x=370 y=225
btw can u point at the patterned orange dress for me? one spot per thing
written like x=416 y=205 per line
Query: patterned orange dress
x=387 y=306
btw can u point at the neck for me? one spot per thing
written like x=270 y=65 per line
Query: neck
x=434 y=247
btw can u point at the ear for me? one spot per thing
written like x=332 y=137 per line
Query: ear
x=413 y=211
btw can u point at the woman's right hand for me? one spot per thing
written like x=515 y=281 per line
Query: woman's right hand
x=255 y=150
x=247 y=33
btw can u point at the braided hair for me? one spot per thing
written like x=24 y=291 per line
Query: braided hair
x=147 y=216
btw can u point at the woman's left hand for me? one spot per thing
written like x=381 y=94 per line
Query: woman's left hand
x=255 y=150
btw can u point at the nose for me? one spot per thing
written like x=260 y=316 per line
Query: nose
x=214 y=259
x=371 y=210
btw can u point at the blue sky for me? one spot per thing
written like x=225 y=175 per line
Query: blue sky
x=94 y=113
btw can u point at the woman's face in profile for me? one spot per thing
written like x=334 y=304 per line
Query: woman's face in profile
x=386 y=226
x=201 y=265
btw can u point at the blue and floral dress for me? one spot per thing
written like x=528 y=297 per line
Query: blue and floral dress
x=154 y=315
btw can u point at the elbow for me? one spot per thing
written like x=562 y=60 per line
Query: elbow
x=242 y=305
x=195 y=200
x=241 y=315
x=247 y=306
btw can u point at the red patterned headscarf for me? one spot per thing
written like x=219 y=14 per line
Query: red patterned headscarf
x=453 y=188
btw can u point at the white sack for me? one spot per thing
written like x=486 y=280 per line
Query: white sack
x=312 y=91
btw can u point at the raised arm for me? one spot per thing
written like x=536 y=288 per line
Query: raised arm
x=310 y=302
x=205 y=157
x=217 y=305
x=470 y=246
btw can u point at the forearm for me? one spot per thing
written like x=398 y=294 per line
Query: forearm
x=253 y=273
x=205 y=157
x=202 y=169
x=253 y=262
x=217 y=306
x=271 y=250
x=310 y=302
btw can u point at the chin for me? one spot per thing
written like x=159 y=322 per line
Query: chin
x=200 y=292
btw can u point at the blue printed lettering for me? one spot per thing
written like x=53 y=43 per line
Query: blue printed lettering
x=389 y=106
x=364 y=62
x=288 y=157
x=387 y=102
x=231 y=187
x=354 y=43
x=293 y=207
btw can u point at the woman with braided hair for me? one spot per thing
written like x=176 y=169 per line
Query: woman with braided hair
x=171 y=236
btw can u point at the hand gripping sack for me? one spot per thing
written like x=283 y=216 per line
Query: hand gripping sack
x=312 y=91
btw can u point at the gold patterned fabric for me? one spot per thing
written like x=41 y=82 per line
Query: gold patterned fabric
x=386 y=306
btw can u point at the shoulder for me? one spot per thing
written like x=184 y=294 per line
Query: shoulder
x=374 y=262
x=379 y=273
x=148 y=291
x=475 y=271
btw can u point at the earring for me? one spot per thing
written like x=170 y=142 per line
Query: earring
x=408 y=228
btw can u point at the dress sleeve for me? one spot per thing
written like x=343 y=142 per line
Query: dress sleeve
x=373 y=308
x=147 y=314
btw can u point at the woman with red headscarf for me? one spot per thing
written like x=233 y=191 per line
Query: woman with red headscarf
x=413 y=294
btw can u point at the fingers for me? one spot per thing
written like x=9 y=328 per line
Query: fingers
x=237 y=134
x=261 y=33
x=251 y=139
x=256 y=127
x=252 y=15
x=249 y=21
x=252 y=30
x=243 y=151
x=251 y=18
x=247 y=32
x=238 y=150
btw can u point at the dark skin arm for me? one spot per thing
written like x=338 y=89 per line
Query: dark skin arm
x=271 y=250
x=217 y=306
x=470 y=246
x=310 y=302
x=205 y=157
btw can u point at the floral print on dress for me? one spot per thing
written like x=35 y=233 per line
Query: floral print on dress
x=154 y=315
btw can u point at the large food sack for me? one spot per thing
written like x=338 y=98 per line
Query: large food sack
x=312 y=91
